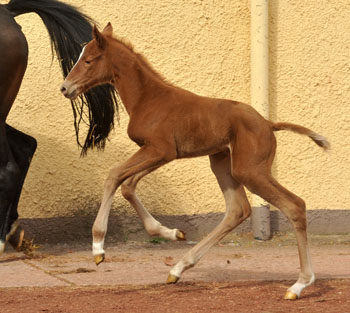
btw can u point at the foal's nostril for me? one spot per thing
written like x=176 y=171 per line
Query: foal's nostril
x=63 y=89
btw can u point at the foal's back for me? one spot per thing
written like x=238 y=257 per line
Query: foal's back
x=205 y=126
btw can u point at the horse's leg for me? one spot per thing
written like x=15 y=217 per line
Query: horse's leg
x=145 y=159
x=18 y=150
x=23 y=147
x=253 y=170
x=293 y=207
x=237 y=210
x=13 y=63
x=9 y=175
x=152 y=226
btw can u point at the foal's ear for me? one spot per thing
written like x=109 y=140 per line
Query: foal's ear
x=108 y=30
x=100 y=39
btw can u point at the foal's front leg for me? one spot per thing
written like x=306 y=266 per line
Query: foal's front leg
x=152 y=226
x=146 y=159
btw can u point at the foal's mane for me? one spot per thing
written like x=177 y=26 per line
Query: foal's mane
x=143 y=60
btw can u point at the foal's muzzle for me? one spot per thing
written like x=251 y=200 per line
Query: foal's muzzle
x=64 y=91
x=69 y=91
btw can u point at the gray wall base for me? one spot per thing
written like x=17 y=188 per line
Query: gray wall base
x=122 y=228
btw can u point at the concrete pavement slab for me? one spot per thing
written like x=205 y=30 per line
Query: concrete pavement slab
x=140 y=263
x=21 y=273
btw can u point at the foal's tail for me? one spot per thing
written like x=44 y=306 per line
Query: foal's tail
x=69 y=30
x=318 y=139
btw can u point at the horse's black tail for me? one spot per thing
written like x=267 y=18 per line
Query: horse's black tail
x=69 y=30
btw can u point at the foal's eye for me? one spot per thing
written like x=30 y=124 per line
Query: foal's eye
x=87 y=62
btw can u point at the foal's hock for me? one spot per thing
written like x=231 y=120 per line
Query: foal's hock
x=170 y=123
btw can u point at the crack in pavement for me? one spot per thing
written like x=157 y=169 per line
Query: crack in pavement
x=37 y=267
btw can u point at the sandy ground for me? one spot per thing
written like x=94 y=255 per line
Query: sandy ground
x=240 y=275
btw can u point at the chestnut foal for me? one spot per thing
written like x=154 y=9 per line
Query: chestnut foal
x=170 y=123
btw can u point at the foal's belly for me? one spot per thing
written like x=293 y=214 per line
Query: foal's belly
x=187 y=153
x=199 y=134
x=194 y=145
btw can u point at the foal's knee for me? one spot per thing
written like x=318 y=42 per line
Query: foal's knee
x=113 y=181
x=110 y=185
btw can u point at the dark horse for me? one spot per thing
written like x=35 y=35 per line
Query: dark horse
x=69 y=30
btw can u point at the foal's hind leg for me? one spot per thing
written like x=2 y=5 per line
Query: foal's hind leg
x=152 y=226
x=294 y=208
x=252 y=158
x=237 y=210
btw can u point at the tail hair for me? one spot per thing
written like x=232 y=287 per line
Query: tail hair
x=69 y=29
x=317 y=138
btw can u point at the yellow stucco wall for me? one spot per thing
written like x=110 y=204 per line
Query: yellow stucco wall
x=310 y=79
x=202 y=46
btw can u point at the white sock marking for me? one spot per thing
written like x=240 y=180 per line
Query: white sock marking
x=177 y=269
x=97 y=248
x=297 y=288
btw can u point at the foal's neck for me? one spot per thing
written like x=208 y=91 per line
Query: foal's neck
x=136 y=81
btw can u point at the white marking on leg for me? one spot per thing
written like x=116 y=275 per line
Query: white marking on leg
x=298 y=287
x=306 y=276
x=97 y=248
x=155 y=228
x=152 y=226
x=168 y=233
x=178 y=269
x=184 y=264
x=2 y=246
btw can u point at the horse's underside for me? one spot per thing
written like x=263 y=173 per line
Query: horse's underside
x=69 y=30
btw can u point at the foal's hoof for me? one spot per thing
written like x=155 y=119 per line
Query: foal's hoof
x=172 y=279
x=99 y=258
x=180 y=235
x=16 y=238
x=290 y=296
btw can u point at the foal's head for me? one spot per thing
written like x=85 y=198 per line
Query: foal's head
x=93 y=67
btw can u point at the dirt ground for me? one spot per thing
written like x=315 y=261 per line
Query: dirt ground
x=240 y=275
x=325 y=296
